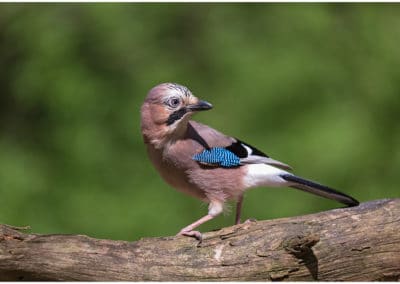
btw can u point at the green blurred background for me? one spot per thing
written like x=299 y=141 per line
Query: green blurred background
x=314 y=85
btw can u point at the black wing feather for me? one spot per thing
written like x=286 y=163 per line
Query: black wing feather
x=239 y=150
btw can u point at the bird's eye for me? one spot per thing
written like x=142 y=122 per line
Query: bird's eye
x=173 y=102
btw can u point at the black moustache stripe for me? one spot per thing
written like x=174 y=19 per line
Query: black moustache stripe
x=176 y=115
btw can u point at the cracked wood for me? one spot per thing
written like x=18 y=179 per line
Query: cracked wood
x=360 y=243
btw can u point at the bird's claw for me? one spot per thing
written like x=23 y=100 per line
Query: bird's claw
x=250 y=220
x=194 y=234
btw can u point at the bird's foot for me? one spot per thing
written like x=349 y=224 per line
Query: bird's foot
x=194 y=234
x=250 y=220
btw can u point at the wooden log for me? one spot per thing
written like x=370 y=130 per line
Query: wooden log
x=349 y=244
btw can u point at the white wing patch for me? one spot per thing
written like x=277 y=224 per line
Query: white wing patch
x=257 y=159
x=248 y=149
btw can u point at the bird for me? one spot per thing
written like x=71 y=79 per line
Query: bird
x=206 y=164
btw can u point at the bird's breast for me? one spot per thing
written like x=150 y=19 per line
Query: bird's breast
x=173 y=163
x=177 y=167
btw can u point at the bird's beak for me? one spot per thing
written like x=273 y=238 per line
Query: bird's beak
x=200 y=105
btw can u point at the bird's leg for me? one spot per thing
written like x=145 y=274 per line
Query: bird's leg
x=214 y=208
x=189 y=230
x=238 y=209
x=239 y=204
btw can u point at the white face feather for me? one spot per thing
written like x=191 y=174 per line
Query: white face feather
x=178 y=90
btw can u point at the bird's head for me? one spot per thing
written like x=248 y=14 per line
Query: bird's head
x=166 y=111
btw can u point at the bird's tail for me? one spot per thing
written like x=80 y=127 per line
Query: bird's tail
x=319 y=189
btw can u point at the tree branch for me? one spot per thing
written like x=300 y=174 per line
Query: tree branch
x=360 y=243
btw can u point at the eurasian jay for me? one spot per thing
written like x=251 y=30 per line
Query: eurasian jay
x=204 y=163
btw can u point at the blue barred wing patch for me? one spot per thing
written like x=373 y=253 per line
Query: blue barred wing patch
x=217 y=156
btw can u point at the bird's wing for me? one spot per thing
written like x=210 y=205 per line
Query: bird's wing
x=224 y=151
x=251 y=155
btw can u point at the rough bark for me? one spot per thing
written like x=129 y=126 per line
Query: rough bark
x=360 y=243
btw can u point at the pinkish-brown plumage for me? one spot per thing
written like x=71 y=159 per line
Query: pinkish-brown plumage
x=171 y=149
x=172 y=140
x=176 y=166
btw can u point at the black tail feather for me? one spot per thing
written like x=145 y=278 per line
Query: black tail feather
x=319 y=189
